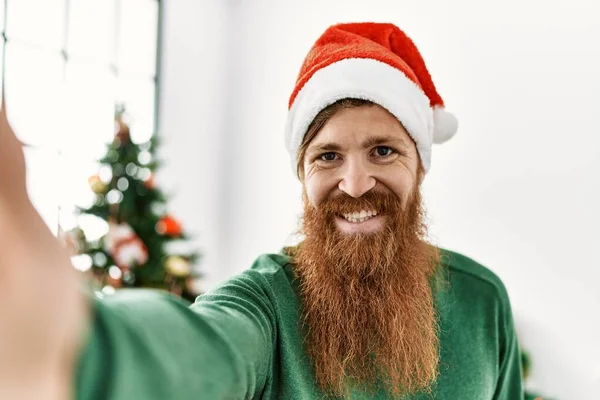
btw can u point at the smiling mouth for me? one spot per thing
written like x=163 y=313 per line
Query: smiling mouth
x=359 y=217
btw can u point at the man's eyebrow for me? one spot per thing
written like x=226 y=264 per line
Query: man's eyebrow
x=369 y=142
x=327 y=146
x=379 y=140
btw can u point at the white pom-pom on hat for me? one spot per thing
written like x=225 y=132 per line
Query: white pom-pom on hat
x=445 y=125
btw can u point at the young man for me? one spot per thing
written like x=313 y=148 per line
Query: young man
x=362 y=308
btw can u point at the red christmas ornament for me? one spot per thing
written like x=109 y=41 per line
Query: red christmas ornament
x=125 y=245
x=121 y=131
x=150 y=183
x=168 y=226
x=130 y=251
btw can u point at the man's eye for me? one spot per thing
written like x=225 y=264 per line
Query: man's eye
x=383 y=151
x=328 y=156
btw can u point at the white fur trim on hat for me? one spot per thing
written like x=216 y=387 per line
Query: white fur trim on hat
x=367 y=79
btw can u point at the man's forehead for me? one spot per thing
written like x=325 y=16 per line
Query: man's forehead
x=361 y=126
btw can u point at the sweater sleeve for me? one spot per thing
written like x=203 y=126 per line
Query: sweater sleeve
x=148 y=345
x=510 y=380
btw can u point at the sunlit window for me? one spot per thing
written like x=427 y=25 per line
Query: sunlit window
x=65 y=65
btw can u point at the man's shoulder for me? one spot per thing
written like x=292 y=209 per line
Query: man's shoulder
x=270 y=263
x=475 y=275
x=271 y=269
x=267 y=275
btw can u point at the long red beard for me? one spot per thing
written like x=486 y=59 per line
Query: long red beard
x=367 y=299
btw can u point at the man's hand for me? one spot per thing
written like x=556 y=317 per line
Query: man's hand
x=43 y=313
x=12 y=164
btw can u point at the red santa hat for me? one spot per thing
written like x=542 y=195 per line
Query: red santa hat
x=375 y=62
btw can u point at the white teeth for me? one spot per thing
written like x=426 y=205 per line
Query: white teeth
x=361 y=216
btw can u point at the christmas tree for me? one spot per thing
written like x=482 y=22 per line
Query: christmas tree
x=143 y=245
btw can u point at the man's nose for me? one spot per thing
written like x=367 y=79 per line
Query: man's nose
x=357 y=178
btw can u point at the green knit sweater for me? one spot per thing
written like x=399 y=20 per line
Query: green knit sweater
x=241 y=341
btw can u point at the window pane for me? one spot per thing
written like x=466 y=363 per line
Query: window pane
x=91 y=98
x=37 y=21
x=138 y=97
x=1 y=15
x=42 y=183
x=138 y=27
x=92 y=29
x=35 y=93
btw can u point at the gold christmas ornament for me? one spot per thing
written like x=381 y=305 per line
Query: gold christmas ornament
x=96 y=184
x=178 y=266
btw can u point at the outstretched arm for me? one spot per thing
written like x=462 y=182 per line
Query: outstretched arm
x=149 y=345
x=42 y=311
x=139 y=345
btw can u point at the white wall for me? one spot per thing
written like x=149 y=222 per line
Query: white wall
x=517 y=189
x=193 y=123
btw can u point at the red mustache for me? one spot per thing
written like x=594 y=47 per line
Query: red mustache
x=379 y=201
